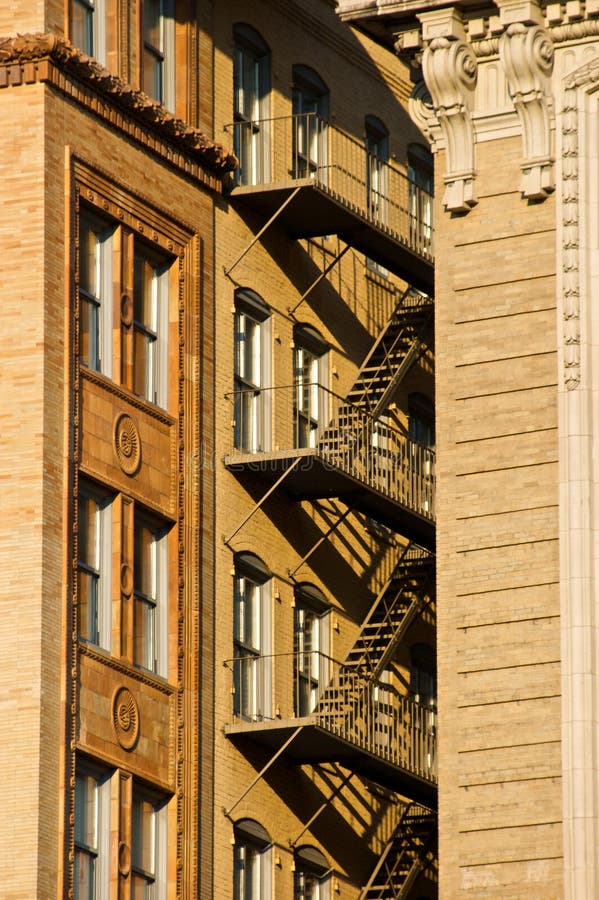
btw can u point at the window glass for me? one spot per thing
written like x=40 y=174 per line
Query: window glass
x=158 y=51
x=150 y=311
x=310 y=383
x=252 y=373
x=88 y=27
x=148 y=847
x=310 y=113
x=252 y=876
x=311 y=880
x=377 y=170
x=251 y=78
x=311 y=647
x=149 y=607
x=95 y=293
x=93 y=567
x=92 y=834
x=251 y=638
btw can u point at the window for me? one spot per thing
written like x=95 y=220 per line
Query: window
x=251 y=638
x=252 y=877
x=150 y=593
x=150 y=324
x=421 y=425
x=377 y=170
x=95 y=292
x=94 y=567
x=310 y=111
x=252 y=373
x=420 y=197
x=310 y=383
x=311 y=646
x=92 y=834
x=88 y=27
x=311 y=879
x=251 y=75
x=148 y=847
x=159 y=51
x=423 y=676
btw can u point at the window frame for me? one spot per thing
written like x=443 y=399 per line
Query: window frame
x=251 y=139
x=250 y=836
x=255 y=672
x=311 y=667
x=163 y=53
x=311 y=417
x=155 y=878
x=100 y=881
x=309 y=861
x=252 y=399
x=154 y=385
x=95 y=24
x=101 y=572
x=310 y=97
x=100 y=299
x=154 y=655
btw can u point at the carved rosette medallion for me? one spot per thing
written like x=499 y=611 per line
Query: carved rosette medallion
x=127 y=444
x=125 y=718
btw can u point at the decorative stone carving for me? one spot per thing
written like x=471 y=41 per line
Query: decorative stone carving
x=125 y=718
x=449 y=68
x=32 y=47
x=570 y=235
x=526 y=52
x=127 y=444
x=422 y=112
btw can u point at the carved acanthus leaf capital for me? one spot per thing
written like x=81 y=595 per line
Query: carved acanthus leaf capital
x=527 y=54
x=450 y=72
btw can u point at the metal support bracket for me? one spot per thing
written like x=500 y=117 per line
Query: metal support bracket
x=257 y=237
x=263 y=499
x=263 y=771
x=322 y=807
x=321 y=540
x=323 y=274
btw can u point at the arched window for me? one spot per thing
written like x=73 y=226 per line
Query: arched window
x=252 y=638
x=311 y=879
x=252 y=372
x=377 y=169
x=310 y=112
x=310 y=385
x=311 y=647
x=421 y=189
x=252 y=876
x=251 y=75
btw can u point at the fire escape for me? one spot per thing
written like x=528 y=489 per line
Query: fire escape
x=361 y=457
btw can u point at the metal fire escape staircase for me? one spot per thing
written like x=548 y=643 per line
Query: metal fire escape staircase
x=411 y=850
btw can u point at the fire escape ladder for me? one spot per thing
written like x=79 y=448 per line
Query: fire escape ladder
x=410 y=850
x=393 y=353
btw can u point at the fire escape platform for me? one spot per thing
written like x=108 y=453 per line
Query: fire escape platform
x=315 y=744
x=316 y=211
x=316 y=478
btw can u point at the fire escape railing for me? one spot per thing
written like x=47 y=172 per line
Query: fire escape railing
x=276 y=151
x=371 y=715
x=370 y=450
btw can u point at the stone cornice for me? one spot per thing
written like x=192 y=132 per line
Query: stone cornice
x=43 y=57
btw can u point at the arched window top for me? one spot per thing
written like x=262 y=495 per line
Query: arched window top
x=420 y=155
x=423 y=657
x=249 y=564
x=249 y=301
x=311 y=858
x=309 y=595
x=375 y=128
x=250 y=831
x=247 y=37
x=308 y=80
x=309 y=337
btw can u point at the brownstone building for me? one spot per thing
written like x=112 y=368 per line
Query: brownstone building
x=218 y=464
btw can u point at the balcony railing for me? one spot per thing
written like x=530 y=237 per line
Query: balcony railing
x=370 y=715
x=274 y=152
x=370 y=450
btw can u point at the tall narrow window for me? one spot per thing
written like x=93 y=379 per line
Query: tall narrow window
x=251 y=75
x=310 y=115
x=311 y=880
x=377 y=170
x=310 y=385
x=251 y=638
x=252 y=877
x=149 y=610
x=311 y=647
x=94 y=567
x=159 y=51
x=420 y=198
x=252 y=373
x=92 y=834
x=148 y=847
x=150 y=325
x=95 y=292
x=88 y=27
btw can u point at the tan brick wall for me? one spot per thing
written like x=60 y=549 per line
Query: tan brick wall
x=498 y=601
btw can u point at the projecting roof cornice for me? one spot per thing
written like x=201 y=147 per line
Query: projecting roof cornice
x=42 y=57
